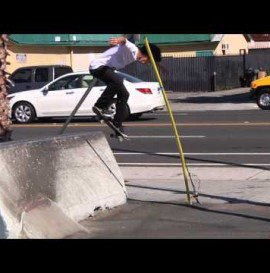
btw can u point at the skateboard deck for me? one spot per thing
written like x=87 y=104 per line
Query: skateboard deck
x=117 y=133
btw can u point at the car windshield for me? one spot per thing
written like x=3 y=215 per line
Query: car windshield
x=128 y=77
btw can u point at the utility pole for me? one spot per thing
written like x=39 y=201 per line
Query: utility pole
x=243 y=52
x=71 y=50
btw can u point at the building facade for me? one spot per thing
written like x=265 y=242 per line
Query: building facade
x=77 y=50
x=258 y=41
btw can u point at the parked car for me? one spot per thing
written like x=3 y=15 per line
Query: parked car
x=260 y=90
x=59 y=98
x=33 y=77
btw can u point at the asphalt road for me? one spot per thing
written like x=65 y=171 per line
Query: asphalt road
x=209 y=138
x=171 y=220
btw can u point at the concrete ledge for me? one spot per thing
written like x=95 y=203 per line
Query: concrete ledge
x=77 y=172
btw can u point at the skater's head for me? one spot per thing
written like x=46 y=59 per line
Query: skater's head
x=143 y=57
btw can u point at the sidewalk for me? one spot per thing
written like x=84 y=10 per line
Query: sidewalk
x=235 y=203
x=216 y=185
x=234 y=99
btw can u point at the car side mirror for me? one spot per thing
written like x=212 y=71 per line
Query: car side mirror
x=45 y=90
x=11 y=82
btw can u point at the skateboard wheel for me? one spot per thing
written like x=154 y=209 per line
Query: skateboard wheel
x=120 y=139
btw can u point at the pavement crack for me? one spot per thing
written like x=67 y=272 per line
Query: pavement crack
x=249 y=178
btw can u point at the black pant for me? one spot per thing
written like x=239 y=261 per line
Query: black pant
x=115 y=86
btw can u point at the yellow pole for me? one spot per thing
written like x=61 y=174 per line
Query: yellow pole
x=179 y=145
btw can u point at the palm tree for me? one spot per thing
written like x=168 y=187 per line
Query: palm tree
x=5 y=122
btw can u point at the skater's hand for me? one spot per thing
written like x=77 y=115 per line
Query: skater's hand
x=116 y=41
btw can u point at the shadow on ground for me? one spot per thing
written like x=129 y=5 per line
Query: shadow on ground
x=232 y=204
x=195 y=159
x=236 y=98
x=91 y=120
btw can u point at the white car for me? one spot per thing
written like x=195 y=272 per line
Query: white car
x=60 y=97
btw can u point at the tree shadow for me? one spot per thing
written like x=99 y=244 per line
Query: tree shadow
x=201 y=207
x=195 y=159
x=230 y=200
x=236 y=98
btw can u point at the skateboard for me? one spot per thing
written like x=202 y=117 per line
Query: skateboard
x=117 y=133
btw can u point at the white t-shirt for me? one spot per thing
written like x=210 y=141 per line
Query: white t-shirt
x=118 y=56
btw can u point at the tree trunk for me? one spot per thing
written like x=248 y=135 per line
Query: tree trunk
x=5 y=122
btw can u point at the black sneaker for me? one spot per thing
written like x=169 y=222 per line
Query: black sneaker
x=107 y=113
x=104 y=112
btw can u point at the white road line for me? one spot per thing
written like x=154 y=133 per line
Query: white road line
x=166 y=136
x=211 y=154
x=192 y=164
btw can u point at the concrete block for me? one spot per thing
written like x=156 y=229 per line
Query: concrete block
x=77 y=172
x=43 y=219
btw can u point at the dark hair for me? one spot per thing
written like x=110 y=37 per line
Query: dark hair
x=155 y=51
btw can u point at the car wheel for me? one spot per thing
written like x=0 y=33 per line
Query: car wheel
x=24 y=112
x=112 y=107
x=263 y=100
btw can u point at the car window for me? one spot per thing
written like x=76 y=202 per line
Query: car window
x=60 y=71
x=122 y=75
x=86 y=81
x=22 y=76
x=42 y=75
x=70 y=82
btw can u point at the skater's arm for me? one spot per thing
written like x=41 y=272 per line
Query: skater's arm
x=118 y=41
x=122 y=41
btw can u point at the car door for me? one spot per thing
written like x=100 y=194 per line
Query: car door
x=59 y=98
x=22 y=78
x=41 y=77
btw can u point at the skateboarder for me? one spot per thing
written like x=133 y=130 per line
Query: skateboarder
x=103 y=68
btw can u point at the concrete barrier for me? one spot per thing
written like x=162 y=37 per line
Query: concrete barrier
x=76 y=173
x=3 y=228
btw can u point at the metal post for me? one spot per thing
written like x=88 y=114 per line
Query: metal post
x=71 y=57
x=78 y=106
x=214 y=81
x=181 y=153
x=243 y=52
